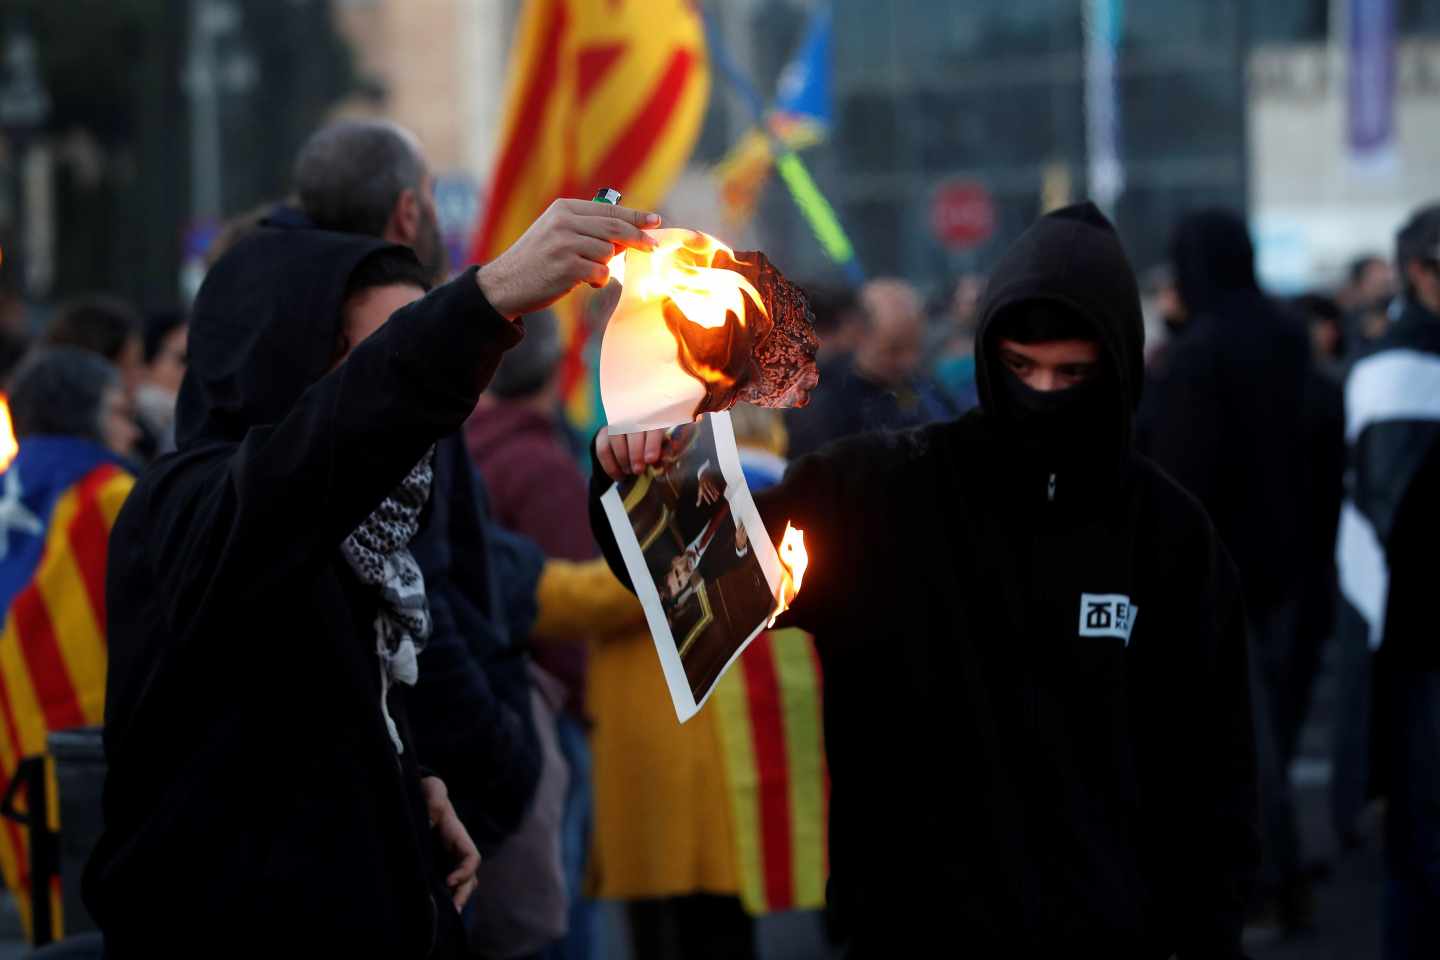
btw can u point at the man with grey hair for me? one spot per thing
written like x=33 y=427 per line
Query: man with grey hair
x=880 y=386
x=371 y=177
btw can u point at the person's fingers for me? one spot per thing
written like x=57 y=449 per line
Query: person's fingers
x=639 y=218
x=621 y=446
x=614 y=231
x=597 y=276
x=462 y=895
x=468 y=865
x=606 y=455
x=594 y=250
x=654 y=441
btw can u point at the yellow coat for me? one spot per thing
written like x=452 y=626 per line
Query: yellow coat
x=663 y=826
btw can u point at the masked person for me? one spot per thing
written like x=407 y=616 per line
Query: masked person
x=1039 y=730
x=265 y=611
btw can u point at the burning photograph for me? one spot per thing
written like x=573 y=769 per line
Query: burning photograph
x=700 y=327
x=698 y=554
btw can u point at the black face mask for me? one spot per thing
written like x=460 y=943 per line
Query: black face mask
x=1059 y=429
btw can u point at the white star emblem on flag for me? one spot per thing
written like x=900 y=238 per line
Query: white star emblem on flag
x=14 y=515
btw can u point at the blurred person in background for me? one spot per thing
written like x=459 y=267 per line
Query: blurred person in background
x=955 y=368
x=60 y=498
x=1365 y=298
x=371 y=177
x=113 y=329
x=1164 y=313
x=1326 y=322
x=880 y=386
x=107 y=326
x=1229 y=419
x=536 y=489
x=839 y=321
x=1389 y=530
x=516 y=439
x=1047 y=749
x=159 y=391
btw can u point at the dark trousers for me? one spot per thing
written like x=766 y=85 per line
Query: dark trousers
x=695 y=927
x=1411 y=741
x=1280 y=862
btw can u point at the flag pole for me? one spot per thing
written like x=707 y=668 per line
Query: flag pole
x=818 y=213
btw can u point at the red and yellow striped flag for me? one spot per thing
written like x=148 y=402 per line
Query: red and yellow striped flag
x=56 y=513
x=768 y=711
x=601 y=93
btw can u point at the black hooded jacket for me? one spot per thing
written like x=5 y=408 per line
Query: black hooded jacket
x=1233 y=418
x=1010 y=773
x=254 y=800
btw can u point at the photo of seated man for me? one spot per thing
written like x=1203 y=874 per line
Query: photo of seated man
x=712 y=588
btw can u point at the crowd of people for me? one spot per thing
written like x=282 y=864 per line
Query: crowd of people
x=322 y=557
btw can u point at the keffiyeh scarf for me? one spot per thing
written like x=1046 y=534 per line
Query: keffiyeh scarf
x=379 y=553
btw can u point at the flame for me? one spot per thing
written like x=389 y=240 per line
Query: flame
x=681 y=270
x=8 y=446
x=793 y=561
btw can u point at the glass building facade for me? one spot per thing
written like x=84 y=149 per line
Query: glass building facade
x=929 y=92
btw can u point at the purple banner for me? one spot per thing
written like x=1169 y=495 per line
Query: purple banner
x=1372 y=78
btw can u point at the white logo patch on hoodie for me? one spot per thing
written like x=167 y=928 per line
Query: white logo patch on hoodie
x=1107 y=615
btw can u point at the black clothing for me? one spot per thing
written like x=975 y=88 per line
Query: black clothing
x=1390 y=523
x=470 y=712
x=253 y=792
x=1036 y=707
x=1228 y=419
x=1394 y=481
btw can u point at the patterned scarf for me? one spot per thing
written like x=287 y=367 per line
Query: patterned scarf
x=379 y=553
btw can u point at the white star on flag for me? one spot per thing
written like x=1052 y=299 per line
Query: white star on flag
x=14 y=515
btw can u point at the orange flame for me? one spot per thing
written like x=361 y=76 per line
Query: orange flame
x=8 y=446
x=793 y=561
x=682 y=270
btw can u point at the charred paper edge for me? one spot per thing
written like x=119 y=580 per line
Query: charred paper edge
x=742 y=505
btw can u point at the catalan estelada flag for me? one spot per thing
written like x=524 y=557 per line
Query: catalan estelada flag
x=58 y=501
x=768 y=711
x=601 y=93
x=800 y=118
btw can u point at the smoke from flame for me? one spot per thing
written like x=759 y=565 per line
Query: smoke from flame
x=793 y=561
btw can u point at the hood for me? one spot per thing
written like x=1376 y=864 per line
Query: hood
x=1071 y=257
x=1214 y=261
x=264 y=328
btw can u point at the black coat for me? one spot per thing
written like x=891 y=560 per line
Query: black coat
x=254 y=800
x=1009 y=772
x=470 y=712
x=1231 y=420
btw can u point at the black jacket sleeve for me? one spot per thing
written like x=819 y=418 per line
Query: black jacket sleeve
x=289 y=493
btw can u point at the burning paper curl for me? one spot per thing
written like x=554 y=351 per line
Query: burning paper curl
x=699 y=327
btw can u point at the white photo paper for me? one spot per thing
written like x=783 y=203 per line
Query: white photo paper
x=697 y=552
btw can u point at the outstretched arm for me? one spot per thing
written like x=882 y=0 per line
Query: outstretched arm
x=293 y=490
